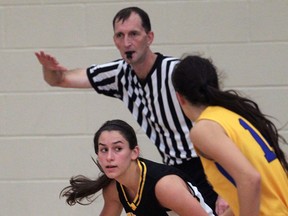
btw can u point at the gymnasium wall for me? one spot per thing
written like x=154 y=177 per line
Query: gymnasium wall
x=46 y=133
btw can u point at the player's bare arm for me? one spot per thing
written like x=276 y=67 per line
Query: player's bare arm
x=112 y=205
x=216 y=144
x=173 y=193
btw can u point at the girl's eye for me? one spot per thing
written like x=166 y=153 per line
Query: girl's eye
x=103 y=150
x=118 y=149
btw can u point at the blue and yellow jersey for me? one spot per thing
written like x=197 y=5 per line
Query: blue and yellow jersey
x=274 y=181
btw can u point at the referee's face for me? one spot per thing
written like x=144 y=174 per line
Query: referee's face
x=132 y=40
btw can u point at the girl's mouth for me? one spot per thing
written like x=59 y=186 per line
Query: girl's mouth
x=110 y=167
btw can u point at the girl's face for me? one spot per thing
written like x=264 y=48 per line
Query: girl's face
x=114 y=154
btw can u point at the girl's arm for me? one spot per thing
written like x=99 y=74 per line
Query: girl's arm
x=210 y=138
x=173 y=193
x=112 y=205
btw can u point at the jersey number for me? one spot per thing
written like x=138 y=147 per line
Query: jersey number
x=269 y=155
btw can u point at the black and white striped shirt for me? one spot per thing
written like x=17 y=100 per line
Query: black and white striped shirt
x=153 y=104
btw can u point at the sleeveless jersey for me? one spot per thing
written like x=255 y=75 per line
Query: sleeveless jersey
x=145 y=202
x=274 y=181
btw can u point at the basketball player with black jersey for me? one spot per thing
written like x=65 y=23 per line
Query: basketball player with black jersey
x=141 y=186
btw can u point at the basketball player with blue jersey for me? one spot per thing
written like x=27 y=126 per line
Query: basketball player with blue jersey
x=237 y=144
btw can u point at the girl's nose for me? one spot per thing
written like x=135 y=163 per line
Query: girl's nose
x=110 y=155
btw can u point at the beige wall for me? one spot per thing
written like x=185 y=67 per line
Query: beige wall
x=46 y=133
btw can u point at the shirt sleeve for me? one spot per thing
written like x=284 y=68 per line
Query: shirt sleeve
x=104 y=78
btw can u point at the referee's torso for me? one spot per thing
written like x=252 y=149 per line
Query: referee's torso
x=153 y=104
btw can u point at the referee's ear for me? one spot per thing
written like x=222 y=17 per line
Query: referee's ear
x=150 y=38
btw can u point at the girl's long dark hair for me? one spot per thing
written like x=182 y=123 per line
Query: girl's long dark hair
x=196 y=79
x=82 y=190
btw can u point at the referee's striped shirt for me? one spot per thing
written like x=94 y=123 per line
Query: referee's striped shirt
x=153 y=104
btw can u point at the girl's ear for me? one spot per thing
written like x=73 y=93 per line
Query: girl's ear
x=181 y=99
x=135 y=152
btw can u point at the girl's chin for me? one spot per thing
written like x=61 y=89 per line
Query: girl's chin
x=111 y=175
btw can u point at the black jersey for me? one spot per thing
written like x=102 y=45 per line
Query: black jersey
x=145 y=202
x=152 y=102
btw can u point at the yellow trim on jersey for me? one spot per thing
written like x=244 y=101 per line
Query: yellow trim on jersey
x=143 y=171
